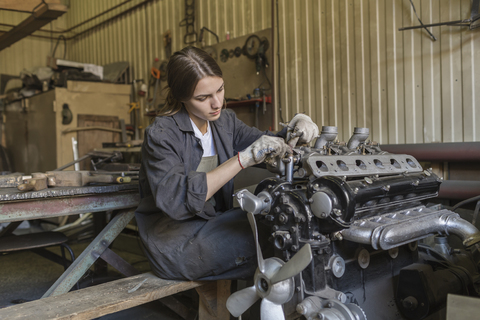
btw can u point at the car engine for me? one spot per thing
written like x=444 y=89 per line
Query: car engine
x=354 y=236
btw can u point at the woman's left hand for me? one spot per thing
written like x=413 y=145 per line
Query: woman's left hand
x=301 y=129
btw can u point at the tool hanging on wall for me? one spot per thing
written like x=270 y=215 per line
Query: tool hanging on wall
x=472 y=23
x=255 y=48
x=189 y=22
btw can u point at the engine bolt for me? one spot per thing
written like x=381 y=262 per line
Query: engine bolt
x=293 y=229
x=329 y=305
x=276 y=210
x=282 y=218
x=363 y=259
x=284 y=200
x=297 y=289
x=275 y=228
x=393 y=253
x=295 y=248
x=316 y=187
x=269 y=218
x=355 y=190
x=386 y=188
x=338 y=236
x=368 y=180
x=289 y=210
x=320 y=316
x=427 y=173
x=337 y=212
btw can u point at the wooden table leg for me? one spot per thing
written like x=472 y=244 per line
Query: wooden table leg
x=213 y=300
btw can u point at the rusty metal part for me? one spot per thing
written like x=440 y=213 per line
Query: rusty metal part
x=90 y=254
x=55 y=207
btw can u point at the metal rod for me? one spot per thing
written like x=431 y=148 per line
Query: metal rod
x=456 y=151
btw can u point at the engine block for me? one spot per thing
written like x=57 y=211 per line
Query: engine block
x=365 y=214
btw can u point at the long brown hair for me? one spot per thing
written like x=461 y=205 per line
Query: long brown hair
x=184 y=70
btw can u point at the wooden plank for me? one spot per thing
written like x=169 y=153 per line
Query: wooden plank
x=24 y=5
x=44 y=15
x=91 y=139
x=93 y=302
x=213 y=300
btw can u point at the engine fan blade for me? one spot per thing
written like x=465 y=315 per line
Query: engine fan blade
x=271 y=311
x=241 y=300
x=253 y=223
x=295 y=265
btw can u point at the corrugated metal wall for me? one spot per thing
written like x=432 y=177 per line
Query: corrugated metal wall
x=345 y=63
x=137 y=37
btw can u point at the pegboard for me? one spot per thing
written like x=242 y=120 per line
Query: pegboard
x=240 y=76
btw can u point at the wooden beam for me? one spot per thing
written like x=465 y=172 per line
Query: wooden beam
x=24 y=5
x=42 y=16
x=99 y=300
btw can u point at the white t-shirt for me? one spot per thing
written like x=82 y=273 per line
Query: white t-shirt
x=206 y=139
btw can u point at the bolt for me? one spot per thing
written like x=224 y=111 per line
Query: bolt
x=297 y=289
x=323 y=215
x=289 y=210
x=355 y=190
x=266 y=200
x=277 y=210
x=295 y=248
x=368 y=180
x=410 y=303
x=284 y=199
x=427 y=173
x=269 y=218
x=275 y=228
x=316 y=187
x=338 y=236
x=329 y=305
x=320 y=316
x=386 y=188
x=293 y=229
x=337 y=212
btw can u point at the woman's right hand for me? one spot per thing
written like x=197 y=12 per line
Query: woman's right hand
x=260 y=149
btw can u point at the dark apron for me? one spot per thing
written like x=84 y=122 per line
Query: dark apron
x=198 y=249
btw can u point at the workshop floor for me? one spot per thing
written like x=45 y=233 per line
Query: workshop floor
x=26 y=276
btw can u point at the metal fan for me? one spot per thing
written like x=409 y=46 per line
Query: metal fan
x=273 y=282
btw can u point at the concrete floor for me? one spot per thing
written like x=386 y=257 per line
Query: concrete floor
x=26 y=276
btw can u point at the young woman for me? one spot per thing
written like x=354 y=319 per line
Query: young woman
x=190 y=155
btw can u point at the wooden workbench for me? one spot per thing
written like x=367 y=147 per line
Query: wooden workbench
x=123 y=198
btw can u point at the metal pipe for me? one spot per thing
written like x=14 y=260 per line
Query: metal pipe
x=456 y=151
x=328 y=134
x=458 y=189
x=359 y=136
x=396 y=229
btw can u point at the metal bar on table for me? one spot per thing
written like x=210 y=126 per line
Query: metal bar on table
x=55 y=207
x=78 y=268
x=10 y=228
x=118 y=263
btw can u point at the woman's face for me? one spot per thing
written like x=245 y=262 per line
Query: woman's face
x=207 y=101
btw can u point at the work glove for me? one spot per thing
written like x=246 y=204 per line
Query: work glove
x=301 y=129
x=260 y=149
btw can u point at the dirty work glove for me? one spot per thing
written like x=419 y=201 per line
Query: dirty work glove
x=301 y=129
x=260 y=149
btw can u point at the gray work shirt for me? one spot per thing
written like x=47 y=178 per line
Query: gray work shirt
x=185 y=237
